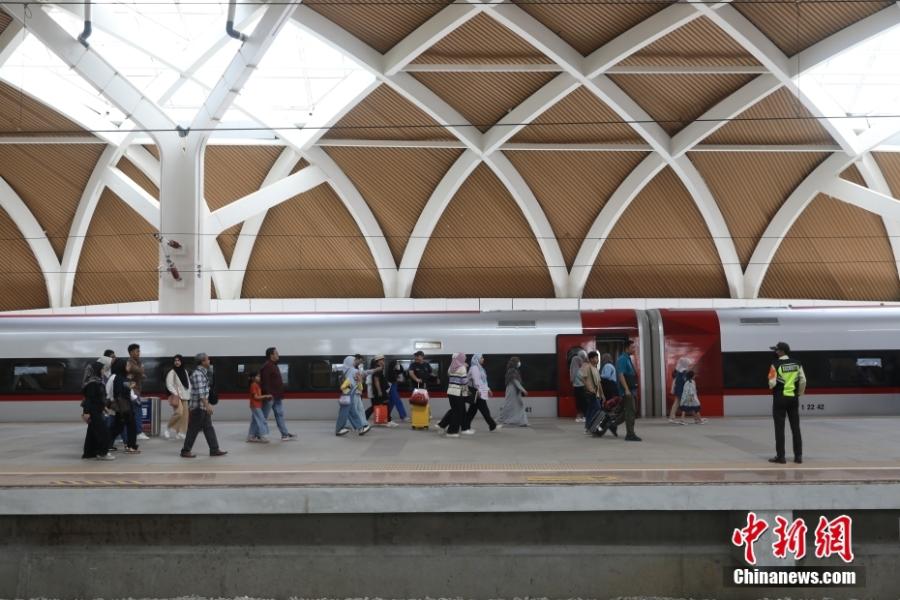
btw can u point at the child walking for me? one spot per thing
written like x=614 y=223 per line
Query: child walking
x=690 y=401
x=259 y=428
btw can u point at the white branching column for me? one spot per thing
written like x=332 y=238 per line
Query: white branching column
x=182 y=211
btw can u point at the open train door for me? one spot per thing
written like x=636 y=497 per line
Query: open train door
x=568 y=346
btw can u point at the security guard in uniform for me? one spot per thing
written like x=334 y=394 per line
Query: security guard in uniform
x=787 y=382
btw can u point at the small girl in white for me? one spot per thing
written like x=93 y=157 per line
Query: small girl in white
x=690 y=401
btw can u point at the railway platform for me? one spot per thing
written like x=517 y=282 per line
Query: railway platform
x=543 y=506
x=516 y=468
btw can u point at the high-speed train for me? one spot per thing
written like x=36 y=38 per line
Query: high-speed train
x=851 y=355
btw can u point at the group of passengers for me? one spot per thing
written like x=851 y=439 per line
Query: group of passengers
x=112 y=404
x=467 y=391
x=605 y=391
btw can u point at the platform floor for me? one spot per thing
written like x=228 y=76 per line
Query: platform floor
x=550 y=452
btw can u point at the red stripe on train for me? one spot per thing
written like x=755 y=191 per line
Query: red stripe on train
x=818 y=391
x=241 y=396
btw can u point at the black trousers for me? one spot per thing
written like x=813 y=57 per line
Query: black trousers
x=785 y=406
x=124 y=422
x=580 y=400
x=478 y=404
x=96 y=441
x=456 y=416
x=200 y=420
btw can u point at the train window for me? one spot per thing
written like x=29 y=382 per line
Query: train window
x=38 y=377
x=852 y=370
x=322 y=374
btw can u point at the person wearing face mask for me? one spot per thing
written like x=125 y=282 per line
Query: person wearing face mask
x=513 y=411
x=479 y=392
x=350 y=409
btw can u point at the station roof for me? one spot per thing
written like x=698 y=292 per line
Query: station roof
x=583 y=148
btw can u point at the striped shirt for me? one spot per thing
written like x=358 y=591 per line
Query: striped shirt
x=199 y=388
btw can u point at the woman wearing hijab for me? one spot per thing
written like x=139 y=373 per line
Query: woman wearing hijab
x=351 y=402
x=457 y=393
x=179 y=385
x=479 y=392
x=118 y=390
x=575 y=376
x=513 y=411
x=96 y=442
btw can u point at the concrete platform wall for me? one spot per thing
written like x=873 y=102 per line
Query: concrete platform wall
x=554 y=555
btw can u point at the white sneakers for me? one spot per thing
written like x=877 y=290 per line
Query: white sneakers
x=143 y=436
x=180 y=436
x=579 y=419
x=106 y=457
x=167 y=433
x=468 y=432
x=391 y=424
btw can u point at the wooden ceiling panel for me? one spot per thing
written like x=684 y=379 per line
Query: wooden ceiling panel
x=588 y=25
x=677 y=100
x=484 y=98
x=482 y=247
x=396 y=183
x=20 y=275
x=834 y=251
x=310 y=247
x=232 y=172
x=22 y=115
x=660 y=248
x=889 y=162
x=580 y=117
x=853 y=174
x=5 y=20
x=120 y=258
x=385 y=115
x=795 y=26
x=750 y=187
x=138 y=176
x=779 y=118
x=700 y=43
x=378 y=23
x=50 y=179
x=573 y=187
x=482 y=40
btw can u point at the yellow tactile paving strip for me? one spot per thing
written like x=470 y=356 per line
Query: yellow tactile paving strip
x=471 y=474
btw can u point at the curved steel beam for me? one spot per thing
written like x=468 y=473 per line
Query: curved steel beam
x=36 y=238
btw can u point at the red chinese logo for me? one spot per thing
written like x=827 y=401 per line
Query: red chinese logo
x=789 y=539
x=835 y=537
x=747 y=536
x=832 y=537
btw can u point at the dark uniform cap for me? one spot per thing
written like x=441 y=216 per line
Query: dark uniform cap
x=781 y=346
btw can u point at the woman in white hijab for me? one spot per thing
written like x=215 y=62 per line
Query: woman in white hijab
x=351 y=402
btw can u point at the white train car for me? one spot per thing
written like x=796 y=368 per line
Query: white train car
x=851 y=355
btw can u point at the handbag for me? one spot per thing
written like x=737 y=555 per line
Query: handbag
x=419 y=397
x=344 y=400
x=212 y=397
